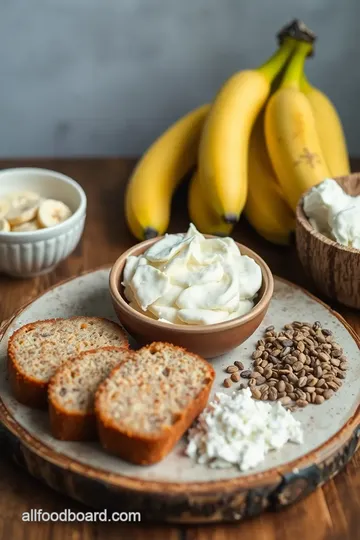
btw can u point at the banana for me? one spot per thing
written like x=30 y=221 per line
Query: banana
x=223 y=152
x=291 y=135
x=4 y=225
x=4 y=207
x=26 y=227
x=23 y=212
x=266 y=209
x=201 y=213
x=21 y=207
x=151 y=186
x=329 y=129
x=52 y=212
x=22 y=198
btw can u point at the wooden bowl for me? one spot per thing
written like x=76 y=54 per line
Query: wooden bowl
x=208 y=341
x=334 y=268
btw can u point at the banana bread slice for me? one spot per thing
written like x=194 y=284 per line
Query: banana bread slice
x=149 y=401
x=37 y=350
x=72 y=391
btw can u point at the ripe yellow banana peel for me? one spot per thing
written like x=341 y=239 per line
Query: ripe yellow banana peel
x=158 y=173
x=291 y=134
x=223 y=152
x=266 y=209
x=329 y=129
x=202 y=215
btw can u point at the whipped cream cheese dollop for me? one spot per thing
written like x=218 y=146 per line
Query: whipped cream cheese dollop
x=190 y=279
x=346 y=225
x=236 y=430
x=334 y=213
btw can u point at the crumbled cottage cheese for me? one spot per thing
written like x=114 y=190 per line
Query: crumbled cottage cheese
x=334 y=213
x=238 y=430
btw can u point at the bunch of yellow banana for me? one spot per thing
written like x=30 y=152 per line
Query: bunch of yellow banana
x=253 y=151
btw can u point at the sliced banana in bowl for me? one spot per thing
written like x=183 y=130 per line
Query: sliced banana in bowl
x=26 y=211
x=29 y=248
x=52 y=212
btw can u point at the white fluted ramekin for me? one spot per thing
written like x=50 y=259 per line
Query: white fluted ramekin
x=27 y=254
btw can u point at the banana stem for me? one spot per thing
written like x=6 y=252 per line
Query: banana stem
x=305 y=84
x=275 y=63
x=295 y=70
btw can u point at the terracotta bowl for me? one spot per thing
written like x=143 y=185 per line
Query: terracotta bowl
x=335 y=269
x=208 y=341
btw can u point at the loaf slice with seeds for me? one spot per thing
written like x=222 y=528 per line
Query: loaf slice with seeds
x=149 y=401
x=72 y=392
x=38 y=349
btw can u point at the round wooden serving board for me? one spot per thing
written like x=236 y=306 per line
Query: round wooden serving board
x=176 y=489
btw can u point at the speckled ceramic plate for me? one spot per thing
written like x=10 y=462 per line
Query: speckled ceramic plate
x=177 y=489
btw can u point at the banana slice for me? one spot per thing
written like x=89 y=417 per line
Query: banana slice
x=23 y=207
x=26 y=227
x=22 y=213
x=4 y=207
x=4 y=225
x=19 y=199
x=52 y=213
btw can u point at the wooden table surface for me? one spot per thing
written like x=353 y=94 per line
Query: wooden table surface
x=331 y=513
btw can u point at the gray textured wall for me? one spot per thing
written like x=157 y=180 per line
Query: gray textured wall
x=104 y=77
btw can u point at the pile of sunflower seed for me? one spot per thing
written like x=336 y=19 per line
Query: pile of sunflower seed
x=299 y=365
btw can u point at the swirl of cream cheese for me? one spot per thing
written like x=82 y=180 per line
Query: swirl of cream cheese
x=190 y=279
x=334 y=213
